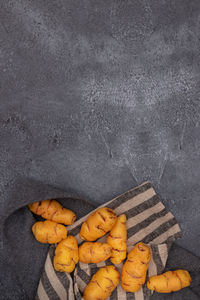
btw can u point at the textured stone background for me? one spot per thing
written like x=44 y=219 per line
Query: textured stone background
x=99 y=96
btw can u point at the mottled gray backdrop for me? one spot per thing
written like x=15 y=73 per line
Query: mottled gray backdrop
x=95 y=98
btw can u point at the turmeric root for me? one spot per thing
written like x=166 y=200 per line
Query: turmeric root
x=94 y=252
x=53 y=211
x=117 y=239
x=135 y=268
x=170 y=281
x=98 y=224
x=49 y=232
x=102 y=284
x=66 y=255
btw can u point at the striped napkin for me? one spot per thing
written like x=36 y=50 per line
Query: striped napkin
x=148 y=221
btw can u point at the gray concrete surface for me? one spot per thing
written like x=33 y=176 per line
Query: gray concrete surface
x=99 y=96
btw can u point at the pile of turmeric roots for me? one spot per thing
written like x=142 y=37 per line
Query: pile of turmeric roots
x=106 y=279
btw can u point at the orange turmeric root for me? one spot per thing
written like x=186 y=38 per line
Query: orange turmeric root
x=134 y=270
x=117 y=240
x=66 y=255
x=49 y=232
x=90 y=252
x=98 y=224
x=102 y=284
x=170 y=281
x=53 y=211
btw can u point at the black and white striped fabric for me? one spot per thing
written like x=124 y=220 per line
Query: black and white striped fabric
x=147 y=220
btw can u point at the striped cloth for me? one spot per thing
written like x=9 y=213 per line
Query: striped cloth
x=147 y=220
